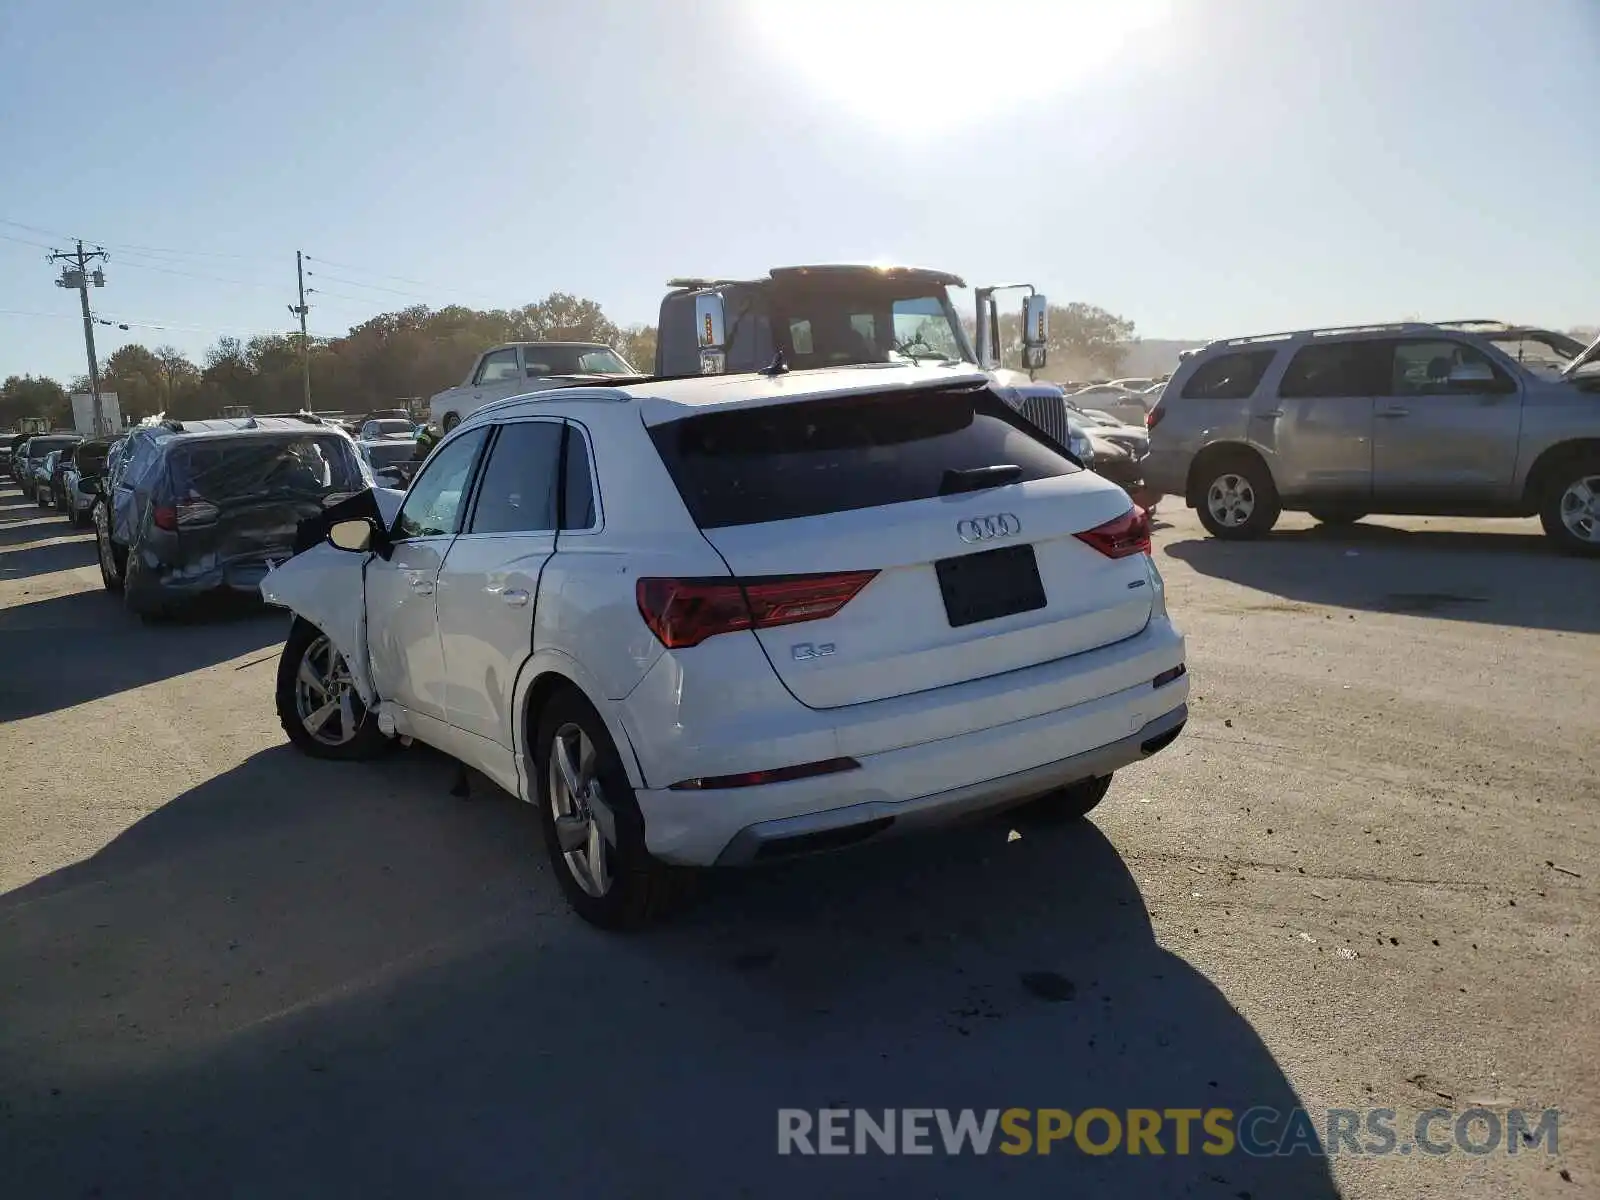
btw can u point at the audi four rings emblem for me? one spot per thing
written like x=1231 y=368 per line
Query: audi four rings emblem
x=988 y=529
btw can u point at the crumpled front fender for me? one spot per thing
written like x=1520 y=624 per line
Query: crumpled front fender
x=327 y=587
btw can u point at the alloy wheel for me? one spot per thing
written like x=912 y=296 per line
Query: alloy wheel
x=325 y=698
x=1231 y=500
x=584 y=829
x=1580 y=509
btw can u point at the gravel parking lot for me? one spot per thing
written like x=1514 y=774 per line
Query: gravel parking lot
x=1364 y=878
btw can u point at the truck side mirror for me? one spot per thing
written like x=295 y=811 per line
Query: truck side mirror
x=1035 y=331
x=711 y=332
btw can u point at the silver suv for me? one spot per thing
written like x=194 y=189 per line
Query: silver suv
x=1458 y=418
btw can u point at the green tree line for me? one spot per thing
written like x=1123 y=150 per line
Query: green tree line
x=380 y=363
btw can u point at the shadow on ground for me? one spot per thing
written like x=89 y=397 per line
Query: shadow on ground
x=316 y=979
x=69 y=649
x=1494 y=578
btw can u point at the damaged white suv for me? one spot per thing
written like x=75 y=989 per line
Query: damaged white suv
x=720 y=620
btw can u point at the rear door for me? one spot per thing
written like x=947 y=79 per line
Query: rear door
x=964 y=583
x=489 y=583
x=1319 y=424
x=402 y=623
x=1446 y=427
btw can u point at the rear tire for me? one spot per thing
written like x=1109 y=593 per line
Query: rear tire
x=1070 y=803
x=1330 y=517
x=632 y=887
x=1570 y=508
x=1239 y=501
x=301 y=702
x=112 y=564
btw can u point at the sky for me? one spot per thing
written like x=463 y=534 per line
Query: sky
x=1201 y=167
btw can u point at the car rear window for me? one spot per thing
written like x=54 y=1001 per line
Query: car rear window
x=783 y=461
x=238 y=468
x=1228 y=376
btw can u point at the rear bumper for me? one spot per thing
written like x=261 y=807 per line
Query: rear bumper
x=1167 y=471
x=159 y=583
x=935 y=779
x=874 y=818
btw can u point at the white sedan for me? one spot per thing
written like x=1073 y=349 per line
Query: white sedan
x=726 y=619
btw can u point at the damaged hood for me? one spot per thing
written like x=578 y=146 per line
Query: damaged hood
x=1583 y=360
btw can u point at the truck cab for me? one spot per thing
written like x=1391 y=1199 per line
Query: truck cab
x=831 y=316
x=844 y=315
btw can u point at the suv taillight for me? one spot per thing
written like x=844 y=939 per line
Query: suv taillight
x=185 y=512
x=1153 y=417
x=1121 y=537
x=685 y=612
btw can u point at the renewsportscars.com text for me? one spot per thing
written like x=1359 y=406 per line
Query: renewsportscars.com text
x=1259 y=1131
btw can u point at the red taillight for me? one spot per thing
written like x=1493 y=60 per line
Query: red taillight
x=1122 y=537
x=827 y=766
x=185 y=512
x=685 y=612
x=1153 y=417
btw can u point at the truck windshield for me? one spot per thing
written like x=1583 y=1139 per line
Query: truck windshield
x=847 y=323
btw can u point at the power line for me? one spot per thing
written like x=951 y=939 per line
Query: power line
x=369 y=286
x=328 y=262
x=26 y=241
x=139 y=266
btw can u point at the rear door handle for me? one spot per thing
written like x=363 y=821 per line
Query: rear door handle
x=1392 y=414
x=1269 y=415
x=422 y=587
x=516 y=597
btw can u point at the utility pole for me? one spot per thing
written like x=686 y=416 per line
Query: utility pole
x=78 y=275
x=300 y=311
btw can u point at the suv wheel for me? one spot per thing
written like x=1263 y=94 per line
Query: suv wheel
x=593 y=829
x=1239 y=500
x=1570 y=513
x=318 y=705
x=111 y=563
x=1070 y=803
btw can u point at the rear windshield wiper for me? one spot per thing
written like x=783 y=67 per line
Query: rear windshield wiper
x=975 y=479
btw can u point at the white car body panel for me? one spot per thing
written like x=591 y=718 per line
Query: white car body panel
x=940 y=719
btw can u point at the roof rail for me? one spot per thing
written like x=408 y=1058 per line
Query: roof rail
x=1482 y=322
x=1331 y=331
x=170 y=423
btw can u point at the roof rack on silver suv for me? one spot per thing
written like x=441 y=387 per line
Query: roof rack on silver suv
x=1339 y=331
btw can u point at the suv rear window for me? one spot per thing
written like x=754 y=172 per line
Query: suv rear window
x=241 y=467
x=1338 y=369
x=1228 y=376
x=778 y=462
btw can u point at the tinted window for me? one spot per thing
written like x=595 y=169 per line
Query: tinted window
x=518 y=492
x=433 y=505
x=675 y=345
x=1228 y=376
x=1423 y=368
x=1337 y=369
x=497 y=366
x=579 y=506
x=777 y=462
x=232 y=468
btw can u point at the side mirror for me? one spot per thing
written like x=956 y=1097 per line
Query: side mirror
x=89 y=485
x=711 y=333
x=355 y=535
x=1035 y=331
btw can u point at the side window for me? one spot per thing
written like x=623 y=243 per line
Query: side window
x=800 y=337
x=1337 y=369
x=433 y=505
x=1443 y=368
x=1228 y=376
x=497 y=367
x=518 y=492
x=579 y=504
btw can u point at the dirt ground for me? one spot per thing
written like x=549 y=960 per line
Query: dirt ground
x=1365 y=877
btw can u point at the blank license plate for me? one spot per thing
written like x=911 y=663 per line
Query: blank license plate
x=989 y=585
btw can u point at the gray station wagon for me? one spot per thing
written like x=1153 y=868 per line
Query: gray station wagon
x=1463 y=418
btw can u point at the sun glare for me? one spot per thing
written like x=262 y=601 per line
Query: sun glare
x=921 y=68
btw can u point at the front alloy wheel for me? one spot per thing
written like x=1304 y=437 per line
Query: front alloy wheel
x=318 y=704
x=1231 y=501
x=1571 y=517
